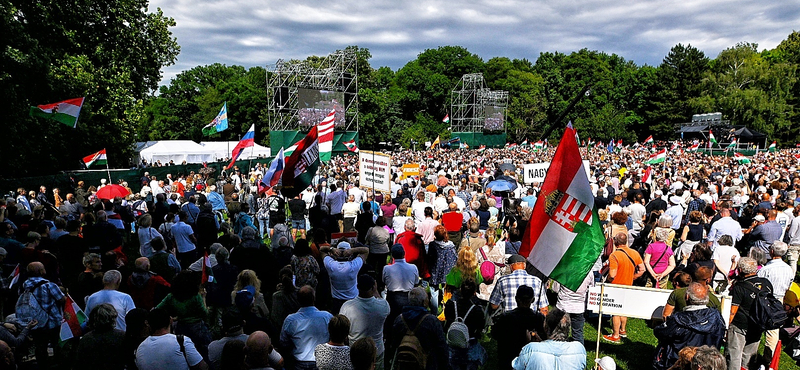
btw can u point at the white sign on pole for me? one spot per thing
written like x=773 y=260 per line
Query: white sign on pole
x=536 y=172
x=375 y=171
x=638 y=302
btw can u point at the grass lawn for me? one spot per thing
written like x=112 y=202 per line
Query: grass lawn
x=635 y=352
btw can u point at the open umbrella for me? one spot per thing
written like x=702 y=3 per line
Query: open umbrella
x=112 y=191
x=503 y=183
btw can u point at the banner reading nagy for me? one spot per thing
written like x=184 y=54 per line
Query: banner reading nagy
x=535 y=172
x=409 y=170
x=375 y=171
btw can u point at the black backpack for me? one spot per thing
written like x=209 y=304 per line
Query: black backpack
x=767 y=312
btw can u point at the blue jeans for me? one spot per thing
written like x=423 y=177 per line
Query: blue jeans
x=577 y=320
x=263 y=223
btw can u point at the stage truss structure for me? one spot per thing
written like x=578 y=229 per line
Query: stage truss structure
x=335 y=72
x=469 y=101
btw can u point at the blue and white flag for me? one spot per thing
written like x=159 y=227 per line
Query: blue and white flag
x=219 y=123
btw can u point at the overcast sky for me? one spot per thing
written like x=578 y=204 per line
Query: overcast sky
x=258 y=33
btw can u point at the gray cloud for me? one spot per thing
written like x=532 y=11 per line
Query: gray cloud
x=258 y=33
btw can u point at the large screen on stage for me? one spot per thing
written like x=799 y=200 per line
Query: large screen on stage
x=495 y=118
x=314 y=106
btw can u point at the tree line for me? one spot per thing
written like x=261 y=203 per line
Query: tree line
x=112 y=52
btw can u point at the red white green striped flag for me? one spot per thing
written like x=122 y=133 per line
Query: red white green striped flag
x=657 y=157
x=564 y=237
x=773 y=147
x=649 y=140
x=741 y=158
x=98 y=158
x=351 y=145
x=66 y=111
x=73 y=318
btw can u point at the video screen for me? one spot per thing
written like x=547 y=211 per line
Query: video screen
x=314 y=105
x=495 y=118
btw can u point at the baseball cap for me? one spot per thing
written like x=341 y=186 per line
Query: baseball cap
x=343 y=245
x=759 y=218
x=244 y=297
x=515 y=258
x=606 y=363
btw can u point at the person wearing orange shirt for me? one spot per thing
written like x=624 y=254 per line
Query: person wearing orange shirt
x=624 y=266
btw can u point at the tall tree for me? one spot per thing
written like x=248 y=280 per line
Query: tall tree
x=680 y=77
x=109 y=51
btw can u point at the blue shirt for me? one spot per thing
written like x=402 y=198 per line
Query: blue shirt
x=216 y=200
x=336 y=201
x=506 y=289
x=530 y=199
x=304 y=330
x=767 y=233
x=343 y=275
x=724 y=226
x=122 y=302
x=400 y=276
x=676 y=212
x=192 y=211
x=181 y=232
x=551 y=355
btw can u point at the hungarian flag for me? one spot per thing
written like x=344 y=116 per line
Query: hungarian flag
x=773 y=147
x=72 y=320
x=482 y=148
x=446 y=118
x=658 y=157
x=694 y=147
x=649 y=140
x=564 y=236
x=711 y=138
x=435 y=142
x=524 y=151
x=219 y=123
x=590 y=142
x=247 y=141
x=797 y=157
x=274 y=173
x=66 y=111
x=674 y=145
x=301 y=166
x=98 y=158
x=325 y=131
x=351 y=145
x=524 y=142
x=512 y=145
x=739 y=157
x=539 y=145
x=647 y=177
x=732 y=144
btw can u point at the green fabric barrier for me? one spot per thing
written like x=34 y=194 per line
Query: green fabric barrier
x=476 y=139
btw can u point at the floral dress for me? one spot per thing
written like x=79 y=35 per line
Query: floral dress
x=306 y=270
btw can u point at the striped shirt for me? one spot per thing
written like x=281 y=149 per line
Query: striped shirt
x=779 y=274
x=506 y=289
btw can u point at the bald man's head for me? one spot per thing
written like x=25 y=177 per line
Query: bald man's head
x=6 y=356
x=36 y=269
x=257 y=349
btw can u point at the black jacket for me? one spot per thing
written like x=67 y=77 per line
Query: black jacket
x=687 y=329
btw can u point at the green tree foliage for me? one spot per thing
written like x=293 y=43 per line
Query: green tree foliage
x=110 y=52
x=194 y=97
x=680 y=78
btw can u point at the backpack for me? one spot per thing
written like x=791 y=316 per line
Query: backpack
x=28 y=307
x=767 y=312
x=410 y=354
x=458 y=333
x=488 y=268
x=278 y=231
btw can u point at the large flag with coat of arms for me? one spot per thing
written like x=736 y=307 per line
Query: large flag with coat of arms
x=302 y=165
x=564 y=237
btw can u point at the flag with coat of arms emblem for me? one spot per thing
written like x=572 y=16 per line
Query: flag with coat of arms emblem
x=564 y=237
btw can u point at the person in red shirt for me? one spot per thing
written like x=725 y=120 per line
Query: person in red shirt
x=453 y=220
x=414 y=247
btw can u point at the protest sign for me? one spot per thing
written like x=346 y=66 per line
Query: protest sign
x=375 y=171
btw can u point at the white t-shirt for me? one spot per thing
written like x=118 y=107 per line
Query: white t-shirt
x=122 y=302
x=723 y=254
x=164 y=352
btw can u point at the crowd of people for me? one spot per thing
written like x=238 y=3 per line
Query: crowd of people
x=200 y=270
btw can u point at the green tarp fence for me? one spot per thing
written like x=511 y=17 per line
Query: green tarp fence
x=728 y=153
x=476 y=139
x=285 y=139
x=68 y=180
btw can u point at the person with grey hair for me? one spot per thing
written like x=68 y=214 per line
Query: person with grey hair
x=696 y=325
x=146 y=288
x=780 y=275
x=415 y=317
x=708 y=358
x=102 y=347
x=122 y=302
x=557 y=352
x=90 y=280
x=743 y=337
x=414 y=248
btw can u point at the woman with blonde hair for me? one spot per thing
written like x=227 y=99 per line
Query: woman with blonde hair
x=249 y=277
x=466 y=266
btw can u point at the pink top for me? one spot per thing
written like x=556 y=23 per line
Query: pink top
x=655 y=250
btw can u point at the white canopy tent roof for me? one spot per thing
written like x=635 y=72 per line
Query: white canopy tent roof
x=176 y=151
x=223 y=149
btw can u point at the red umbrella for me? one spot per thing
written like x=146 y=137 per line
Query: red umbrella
x=112 y=191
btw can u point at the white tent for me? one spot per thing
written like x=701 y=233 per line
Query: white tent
x=223 y=149
x=176 y=151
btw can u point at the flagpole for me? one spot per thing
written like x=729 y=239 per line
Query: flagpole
x=108 y=171
x=599 y=321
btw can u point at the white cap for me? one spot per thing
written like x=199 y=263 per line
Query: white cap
x=343 y=245
x=606 y=363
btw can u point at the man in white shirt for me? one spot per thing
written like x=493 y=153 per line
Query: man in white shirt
x=122 y=302
x=162 y=350
x=724 y=226
x=675 y=211
x=637 y=213
x=418 y=208
x=359 y=195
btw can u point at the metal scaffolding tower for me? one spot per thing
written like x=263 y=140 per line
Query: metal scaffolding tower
x=475 y=107
x=336 y=73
